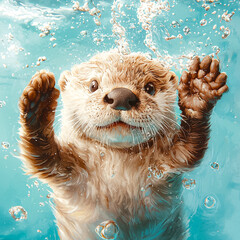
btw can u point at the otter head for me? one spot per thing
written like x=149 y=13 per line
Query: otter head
x=118 y=100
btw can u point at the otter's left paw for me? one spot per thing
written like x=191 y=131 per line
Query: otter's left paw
x=201 y=87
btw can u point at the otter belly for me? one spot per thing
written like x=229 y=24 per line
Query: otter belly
x=147 y=222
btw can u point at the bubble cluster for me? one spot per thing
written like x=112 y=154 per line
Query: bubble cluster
x=227 y=16
x=18 y=213
x=45 y=29
x=118 y=30
x=226 y=31
x=107 y=230
x=150 y=9
x=85 y=8
x=76 y=7
x=189 y=183
x=145 y=13
x=174 y=37
x=40 y=59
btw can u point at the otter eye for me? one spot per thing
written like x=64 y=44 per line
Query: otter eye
x=149 y=88
x=93 y=86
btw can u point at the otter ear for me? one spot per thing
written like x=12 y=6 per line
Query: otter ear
x=172 y=78
x=64 y=79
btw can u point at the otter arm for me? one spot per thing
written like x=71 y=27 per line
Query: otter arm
x=191 y=142
x=199 y=90
x=40 y=151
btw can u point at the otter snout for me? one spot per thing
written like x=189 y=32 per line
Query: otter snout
x=121 y=99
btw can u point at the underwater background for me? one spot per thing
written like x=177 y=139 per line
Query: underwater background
x=56 y=34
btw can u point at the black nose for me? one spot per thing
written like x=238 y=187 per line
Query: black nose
x=121 y=99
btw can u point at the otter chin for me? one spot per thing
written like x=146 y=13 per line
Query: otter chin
x=121 y=134
x=120 y=154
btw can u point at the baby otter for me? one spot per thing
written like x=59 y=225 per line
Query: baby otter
x=118 y=129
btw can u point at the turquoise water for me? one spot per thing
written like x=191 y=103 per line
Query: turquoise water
x=51 y=35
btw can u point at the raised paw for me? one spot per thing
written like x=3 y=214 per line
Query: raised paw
x=201 y=87
x=38 y=101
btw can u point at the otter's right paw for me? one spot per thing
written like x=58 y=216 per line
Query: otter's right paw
x=201 y=87
x=38 y=101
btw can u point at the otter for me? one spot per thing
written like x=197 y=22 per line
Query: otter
x=121 y=152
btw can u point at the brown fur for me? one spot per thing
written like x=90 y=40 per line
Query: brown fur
x=98 y=170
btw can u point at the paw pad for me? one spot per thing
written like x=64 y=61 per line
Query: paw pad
x=39 y=96
x=200 y=88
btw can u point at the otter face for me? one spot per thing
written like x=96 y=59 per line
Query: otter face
x=119 y=100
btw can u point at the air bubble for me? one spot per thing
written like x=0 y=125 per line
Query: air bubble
x=180 y=36
x=5 y=145
x=102 y=154
x=155 y=173
x=18 y=213
x=107 y=230
x=186 y=30
x=216 y=49
x=36 y=183
x=189 y=183
x=175 y=24
x=97 y=21
x=149 y=134
x=2 y=104
x=83 y=33
x=203 y=22
x=209 y=202
x=158 y=174
x=215 y=165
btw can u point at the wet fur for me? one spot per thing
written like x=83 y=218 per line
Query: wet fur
x=95 y=177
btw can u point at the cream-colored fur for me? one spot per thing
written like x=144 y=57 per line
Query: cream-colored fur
x=118 y=179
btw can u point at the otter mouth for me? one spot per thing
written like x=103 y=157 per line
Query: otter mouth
x=119 y=124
